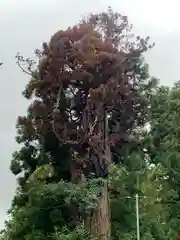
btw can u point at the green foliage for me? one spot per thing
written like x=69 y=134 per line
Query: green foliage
x=152 y=193
x=78 y=234
x=53 y=206
x=45 y=214
x=163 y=147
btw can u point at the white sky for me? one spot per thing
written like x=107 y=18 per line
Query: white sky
x=25 y=24
x=160 y=14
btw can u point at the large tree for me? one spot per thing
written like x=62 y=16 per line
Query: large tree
x=88 y=96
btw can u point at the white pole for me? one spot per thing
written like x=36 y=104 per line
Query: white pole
x=137 y=217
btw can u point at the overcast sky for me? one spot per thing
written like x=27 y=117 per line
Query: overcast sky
x=24 y=25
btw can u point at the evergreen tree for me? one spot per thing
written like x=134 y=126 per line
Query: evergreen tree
x=89 y=98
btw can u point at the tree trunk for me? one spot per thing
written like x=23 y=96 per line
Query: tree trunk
x=100 y=219
x=99 y=223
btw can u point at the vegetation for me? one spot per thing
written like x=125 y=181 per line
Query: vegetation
x=98 y=130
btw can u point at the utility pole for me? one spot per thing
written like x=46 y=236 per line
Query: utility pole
x=137 y=206
x=137 y=216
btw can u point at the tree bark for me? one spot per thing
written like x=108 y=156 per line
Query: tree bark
x=100 y=219
x=99 y=223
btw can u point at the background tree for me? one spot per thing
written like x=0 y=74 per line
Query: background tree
x=153 y=212
x=163 y=145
